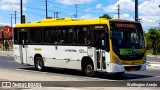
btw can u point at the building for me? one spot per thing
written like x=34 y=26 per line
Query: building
x=5 y=33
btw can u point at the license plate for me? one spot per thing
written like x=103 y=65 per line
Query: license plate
x=134 y=69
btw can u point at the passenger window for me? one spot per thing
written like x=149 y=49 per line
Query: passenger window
x=50 y=35
x=36 y=35
x=82 y=35
x=65 y=35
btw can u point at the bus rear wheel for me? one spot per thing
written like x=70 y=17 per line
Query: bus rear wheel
x=39 y=64
x=89 y=69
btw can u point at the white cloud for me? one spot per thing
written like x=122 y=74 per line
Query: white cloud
x=11 y=4
x=87 y=16
x=110 y=8
x=71 y=2
x=88 y=9
x=125 y=5
x=149 y=11
x=99 y=5
x=150 y=7
x=124 y=16
x=150 y=21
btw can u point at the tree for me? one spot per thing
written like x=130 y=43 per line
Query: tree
x=148 y=42
x=153 y=39
x=105 y=16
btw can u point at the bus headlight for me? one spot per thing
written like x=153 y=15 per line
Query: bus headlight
x=116 y=61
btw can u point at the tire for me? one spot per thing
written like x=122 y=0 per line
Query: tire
x=89 y=69
x=39 y=64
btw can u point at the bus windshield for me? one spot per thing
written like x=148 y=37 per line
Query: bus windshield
x=128 y=43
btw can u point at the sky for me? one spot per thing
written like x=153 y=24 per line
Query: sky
x=34 y=10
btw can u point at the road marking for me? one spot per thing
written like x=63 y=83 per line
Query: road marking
x=157 y=76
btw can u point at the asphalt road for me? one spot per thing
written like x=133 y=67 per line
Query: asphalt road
x=149 y=75
x=9 y=63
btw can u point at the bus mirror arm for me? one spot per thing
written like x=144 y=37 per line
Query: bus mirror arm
x=23 y=45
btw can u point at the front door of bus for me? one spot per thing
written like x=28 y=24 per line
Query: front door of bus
x=99 y=43
x=23 y=47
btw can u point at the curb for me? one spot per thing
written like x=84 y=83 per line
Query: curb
x=153 y=64
x=6 y=53
x=156 y=56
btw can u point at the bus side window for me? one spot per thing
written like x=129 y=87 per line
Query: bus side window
x=82 y=35
x=50 y=36
x=65 y=35
x=36 y=35
x=15 y=36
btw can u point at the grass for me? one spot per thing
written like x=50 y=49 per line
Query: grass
x=149 y=52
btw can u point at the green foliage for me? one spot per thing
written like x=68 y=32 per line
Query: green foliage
x=153 y=39
x=105 y=16
x=149 y=51
x=148 y=42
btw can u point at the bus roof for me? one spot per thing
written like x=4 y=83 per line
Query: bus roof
x=67 y=22
x=63 y=22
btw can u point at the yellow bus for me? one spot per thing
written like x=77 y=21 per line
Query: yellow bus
x=97 y=45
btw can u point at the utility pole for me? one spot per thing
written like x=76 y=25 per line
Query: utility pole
x=159 y=7
x=15 y=17
x=76 y=10
x=46 y=8
x=118 y=10
x=56 y=14
x=21 y=9
x=136 y=10
x=11 y=20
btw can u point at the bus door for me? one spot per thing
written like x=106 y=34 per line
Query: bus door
x=99 y=44
x=23 y=47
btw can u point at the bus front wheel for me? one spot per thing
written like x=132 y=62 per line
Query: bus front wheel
x=89 y=69
x=39 y=64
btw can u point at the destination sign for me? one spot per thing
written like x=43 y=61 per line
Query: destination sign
x=99 y=27
x=125 y=25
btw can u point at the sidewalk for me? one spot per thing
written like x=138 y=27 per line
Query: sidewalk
x=153 y=64
x=6 y=53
